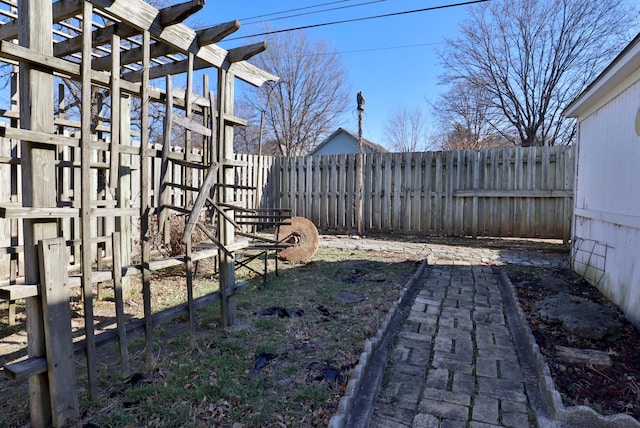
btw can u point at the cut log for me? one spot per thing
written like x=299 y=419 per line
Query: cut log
x=586 y=356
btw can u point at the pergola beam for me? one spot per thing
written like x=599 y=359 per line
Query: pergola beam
x=62 y=9
x=214 y=34
x=206 y=37
x=133 y=55
x=167 y=16
x=243 y=53
x=234 y=55
x=179 y=12
x=143 y=16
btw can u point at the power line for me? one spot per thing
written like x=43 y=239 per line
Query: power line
x=392 y=47
x=318 y=11
x=293 y=10
x=386 y=48
x=387 y=15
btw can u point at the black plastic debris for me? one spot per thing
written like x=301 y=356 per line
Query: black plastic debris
x=262 y=361
x=324 y=311
x=129 y=404
x=280 y=312
x=136 y=378
x=331 y=374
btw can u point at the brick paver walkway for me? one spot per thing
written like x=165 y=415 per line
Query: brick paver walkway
x=454 y=363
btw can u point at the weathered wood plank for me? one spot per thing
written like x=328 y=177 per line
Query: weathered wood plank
x=101 y=36
x=315 y=167
x=116 y=246
x=192 y=125
x=85 y=208
x=585 y=356
x=407 y=192
x=145 y=17
x=396 y=197
x=56 y=307
x=226 y=231
x=38 y=177
x=25 y=369
x=350 y=192
x=508 y=175
x=37 y=137
x=376 y=192
x=19 y=291
x=341 y=180
x=427 y=211
x=333 y=191
x=308 y=206
x=62 y=9
x=449 y=183
x=188 y=264
x=60 y=66
x=438 y=193
x=475 y=185
x=458 y=209
x=145 y=203
x=301 y=187
x=199 y=203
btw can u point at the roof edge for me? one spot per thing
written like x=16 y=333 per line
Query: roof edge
x=620 y=68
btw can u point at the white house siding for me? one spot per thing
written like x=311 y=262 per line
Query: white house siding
x=606 y=239
x=340 y=144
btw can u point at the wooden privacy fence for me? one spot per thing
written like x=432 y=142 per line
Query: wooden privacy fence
x=517 y=192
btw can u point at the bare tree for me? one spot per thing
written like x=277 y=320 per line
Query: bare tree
x=463 y=114
x=406 y=130
x=306 y=103
x=532 y=57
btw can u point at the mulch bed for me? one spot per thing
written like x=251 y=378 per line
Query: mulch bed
x=607 y=389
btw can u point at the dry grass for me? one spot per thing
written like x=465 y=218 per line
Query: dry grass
x=307 y=357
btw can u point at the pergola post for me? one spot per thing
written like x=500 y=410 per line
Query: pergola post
x=38 y=182
x=225 y=196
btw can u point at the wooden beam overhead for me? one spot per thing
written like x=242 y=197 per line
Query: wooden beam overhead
x=100 y=36
x=234 y=56
x=62 y=9
x=68 y=69
x=133 y=55
x=206 y=36
x=167 y=16
x=146 y=17
x=214 y=34
x=179 y=12
x=243 y=53
x=177 y=67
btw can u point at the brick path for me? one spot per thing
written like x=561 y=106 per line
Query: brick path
x=453 y=363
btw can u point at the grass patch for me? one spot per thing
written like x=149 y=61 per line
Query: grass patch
x=287 y=366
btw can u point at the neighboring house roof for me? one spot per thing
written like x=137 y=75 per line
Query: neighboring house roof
x=626 y=63
x=342 y=141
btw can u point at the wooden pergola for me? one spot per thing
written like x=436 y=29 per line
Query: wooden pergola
x=115 y=46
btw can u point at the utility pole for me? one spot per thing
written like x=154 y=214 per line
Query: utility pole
x=359 y=208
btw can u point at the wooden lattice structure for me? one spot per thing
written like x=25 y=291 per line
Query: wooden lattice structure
x=117 y=48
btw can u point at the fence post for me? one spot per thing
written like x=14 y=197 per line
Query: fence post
x=54 y=280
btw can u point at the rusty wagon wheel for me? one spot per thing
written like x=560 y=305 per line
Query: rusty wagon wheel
x=303 y=236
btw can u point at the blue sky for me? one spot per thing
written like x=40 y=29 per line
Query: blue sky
x=392 y=60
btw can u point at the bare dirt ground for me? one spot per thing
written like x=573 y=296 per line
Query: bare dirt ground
x=607 y=389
